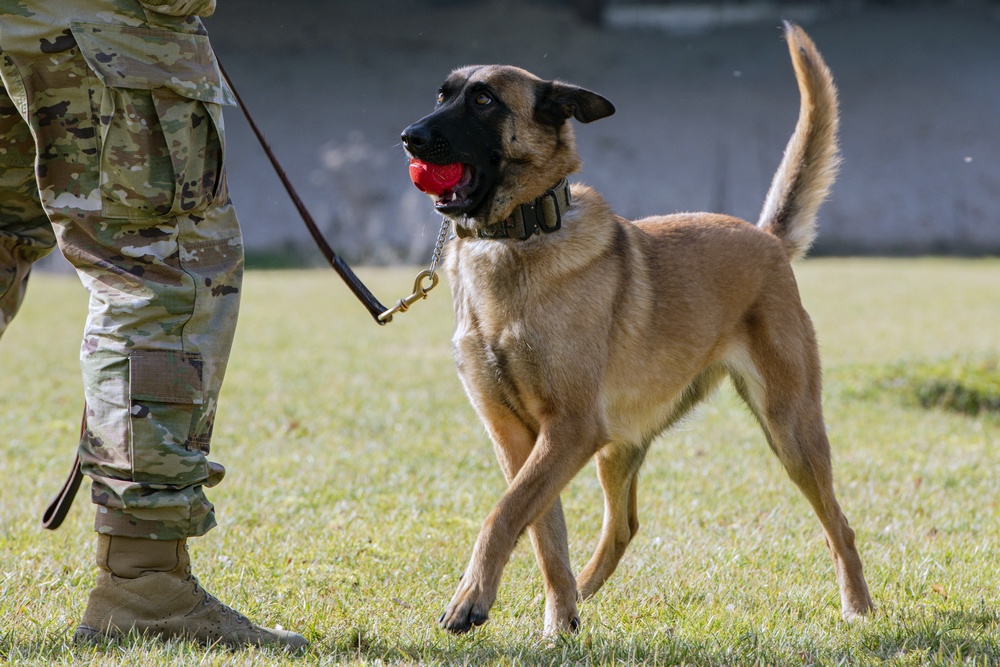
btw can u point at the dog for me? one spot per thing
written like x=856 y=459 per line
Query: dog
x=579 y=334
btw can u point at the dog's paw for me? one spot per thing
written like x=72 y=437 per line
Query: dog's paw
x=466 y=610
x=858 y=614
x=460 y=621
x=561 y=614
x=567 y=626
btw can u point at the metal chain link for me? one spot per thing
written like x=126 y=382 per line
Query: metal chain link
x=439 y=246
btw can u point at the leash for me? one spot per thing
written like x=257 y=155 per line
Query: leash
x=381 y=314
x=426 y=280
x=59 y=507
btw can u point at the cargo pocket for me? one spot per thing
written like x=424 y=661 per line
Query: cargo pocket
x=167 y=402
x=166 y=376
x=160 y=120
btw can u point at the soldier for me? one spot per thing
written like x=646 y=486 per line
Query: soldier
x=111 y=145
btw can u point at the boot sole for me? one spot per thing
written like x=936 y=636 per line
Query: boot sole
x=92 y=636
x=86 y=635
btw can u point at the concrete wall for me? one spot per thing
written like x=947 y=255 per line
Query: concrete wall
x=702 y=118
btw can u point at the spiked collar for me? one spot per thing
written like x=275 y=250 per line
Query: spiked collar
x=541 y=215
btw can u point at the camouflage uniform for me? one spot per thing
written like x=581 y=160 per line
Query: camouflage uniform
x=111 y=145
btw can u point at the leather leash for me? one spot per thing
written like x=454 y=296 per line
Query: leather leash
x=363 y=294
x=59 y=507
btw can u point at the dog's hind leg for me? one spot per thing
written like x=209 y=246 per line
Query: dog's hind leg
x=783 y=391
x=618 y=471
x=512 y=442
x=805 y=452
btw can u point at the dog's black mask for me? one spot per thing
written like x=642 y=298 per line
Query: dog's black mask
x=465 y=127
x=473 y=121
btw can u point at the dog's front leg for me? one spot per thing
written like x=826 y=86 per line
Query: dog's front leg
x=513 y=442
x=563 y=446
x=548 y=537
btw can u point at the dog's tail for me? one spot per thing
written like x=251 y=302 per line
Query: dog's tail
x=809 y=167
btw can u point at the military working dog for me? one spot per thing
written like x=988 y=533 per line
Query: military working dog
x=579 y=334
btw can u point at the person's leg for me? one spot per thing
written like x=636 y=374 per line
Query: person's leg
x=25 y=232
x=130 y=173
x=163 y=282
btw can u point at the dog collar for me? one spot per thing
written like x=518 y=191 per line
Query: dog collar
x=541 y=215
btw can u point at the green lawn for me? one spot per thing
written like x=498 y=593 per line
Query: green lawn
x=358 y=477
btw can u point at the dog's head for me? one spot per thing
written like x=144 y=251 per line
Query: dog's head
x=510 y=131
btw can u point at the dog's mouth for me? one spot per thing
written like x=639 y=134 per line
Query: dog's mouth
x=452 y=186
x=458 y=198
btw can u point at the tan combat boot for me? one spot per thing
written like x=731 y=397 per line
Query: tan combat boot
x=146 y=587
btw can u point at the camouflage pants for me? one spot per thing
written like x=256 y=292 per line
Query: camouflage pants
x=111 y=145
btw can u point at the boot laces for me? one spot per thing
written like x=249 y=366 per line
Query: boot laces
x=207 y=599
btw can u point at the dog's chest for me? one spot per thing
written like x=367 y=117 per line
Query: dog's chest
x=498 y=361
x=500 y=344
x=501 y=364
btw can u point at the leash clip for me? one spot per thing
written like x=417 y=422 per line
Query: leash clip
x=419 y=292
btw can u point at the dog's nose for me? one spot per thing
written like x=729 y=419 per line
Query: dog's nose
x=416 y=137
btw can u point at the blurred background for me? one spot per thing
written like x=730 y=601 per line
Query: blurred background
x=706 y=101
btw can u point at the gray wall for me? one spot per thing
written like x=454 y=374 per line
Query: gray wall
x=702 y=117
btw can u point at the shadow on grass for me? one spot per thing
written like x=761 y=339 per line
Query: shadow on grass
x=940 y=637
x=968 y=385
x=948 y=637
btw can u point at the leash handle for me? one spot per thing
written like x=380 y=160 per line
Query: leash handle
x=59 y=507
x=375 y=308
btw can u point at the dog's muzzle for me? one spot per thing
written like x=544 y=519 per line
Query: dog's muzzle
x=425 y=145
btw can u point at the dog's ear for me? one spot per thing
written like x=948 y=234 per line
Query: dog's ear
x=557 y=102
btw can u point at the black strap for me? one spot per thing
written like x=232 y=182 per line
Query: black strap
x=59 y=507
x=340 y=266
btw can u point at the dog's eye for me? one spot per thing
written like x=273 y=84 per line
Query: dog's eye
x=483 y=99
x=440 y=98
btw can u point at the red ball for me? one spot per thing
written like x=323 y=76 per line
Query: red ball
x=435 y=179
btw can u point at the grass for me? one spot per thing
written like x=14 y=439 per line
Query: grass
x=358 y=477
x=966 y=384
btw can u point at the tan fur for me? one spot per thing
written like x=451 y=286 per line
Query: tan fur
x=534 y=152
x=591 y=341
x=811 y=159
